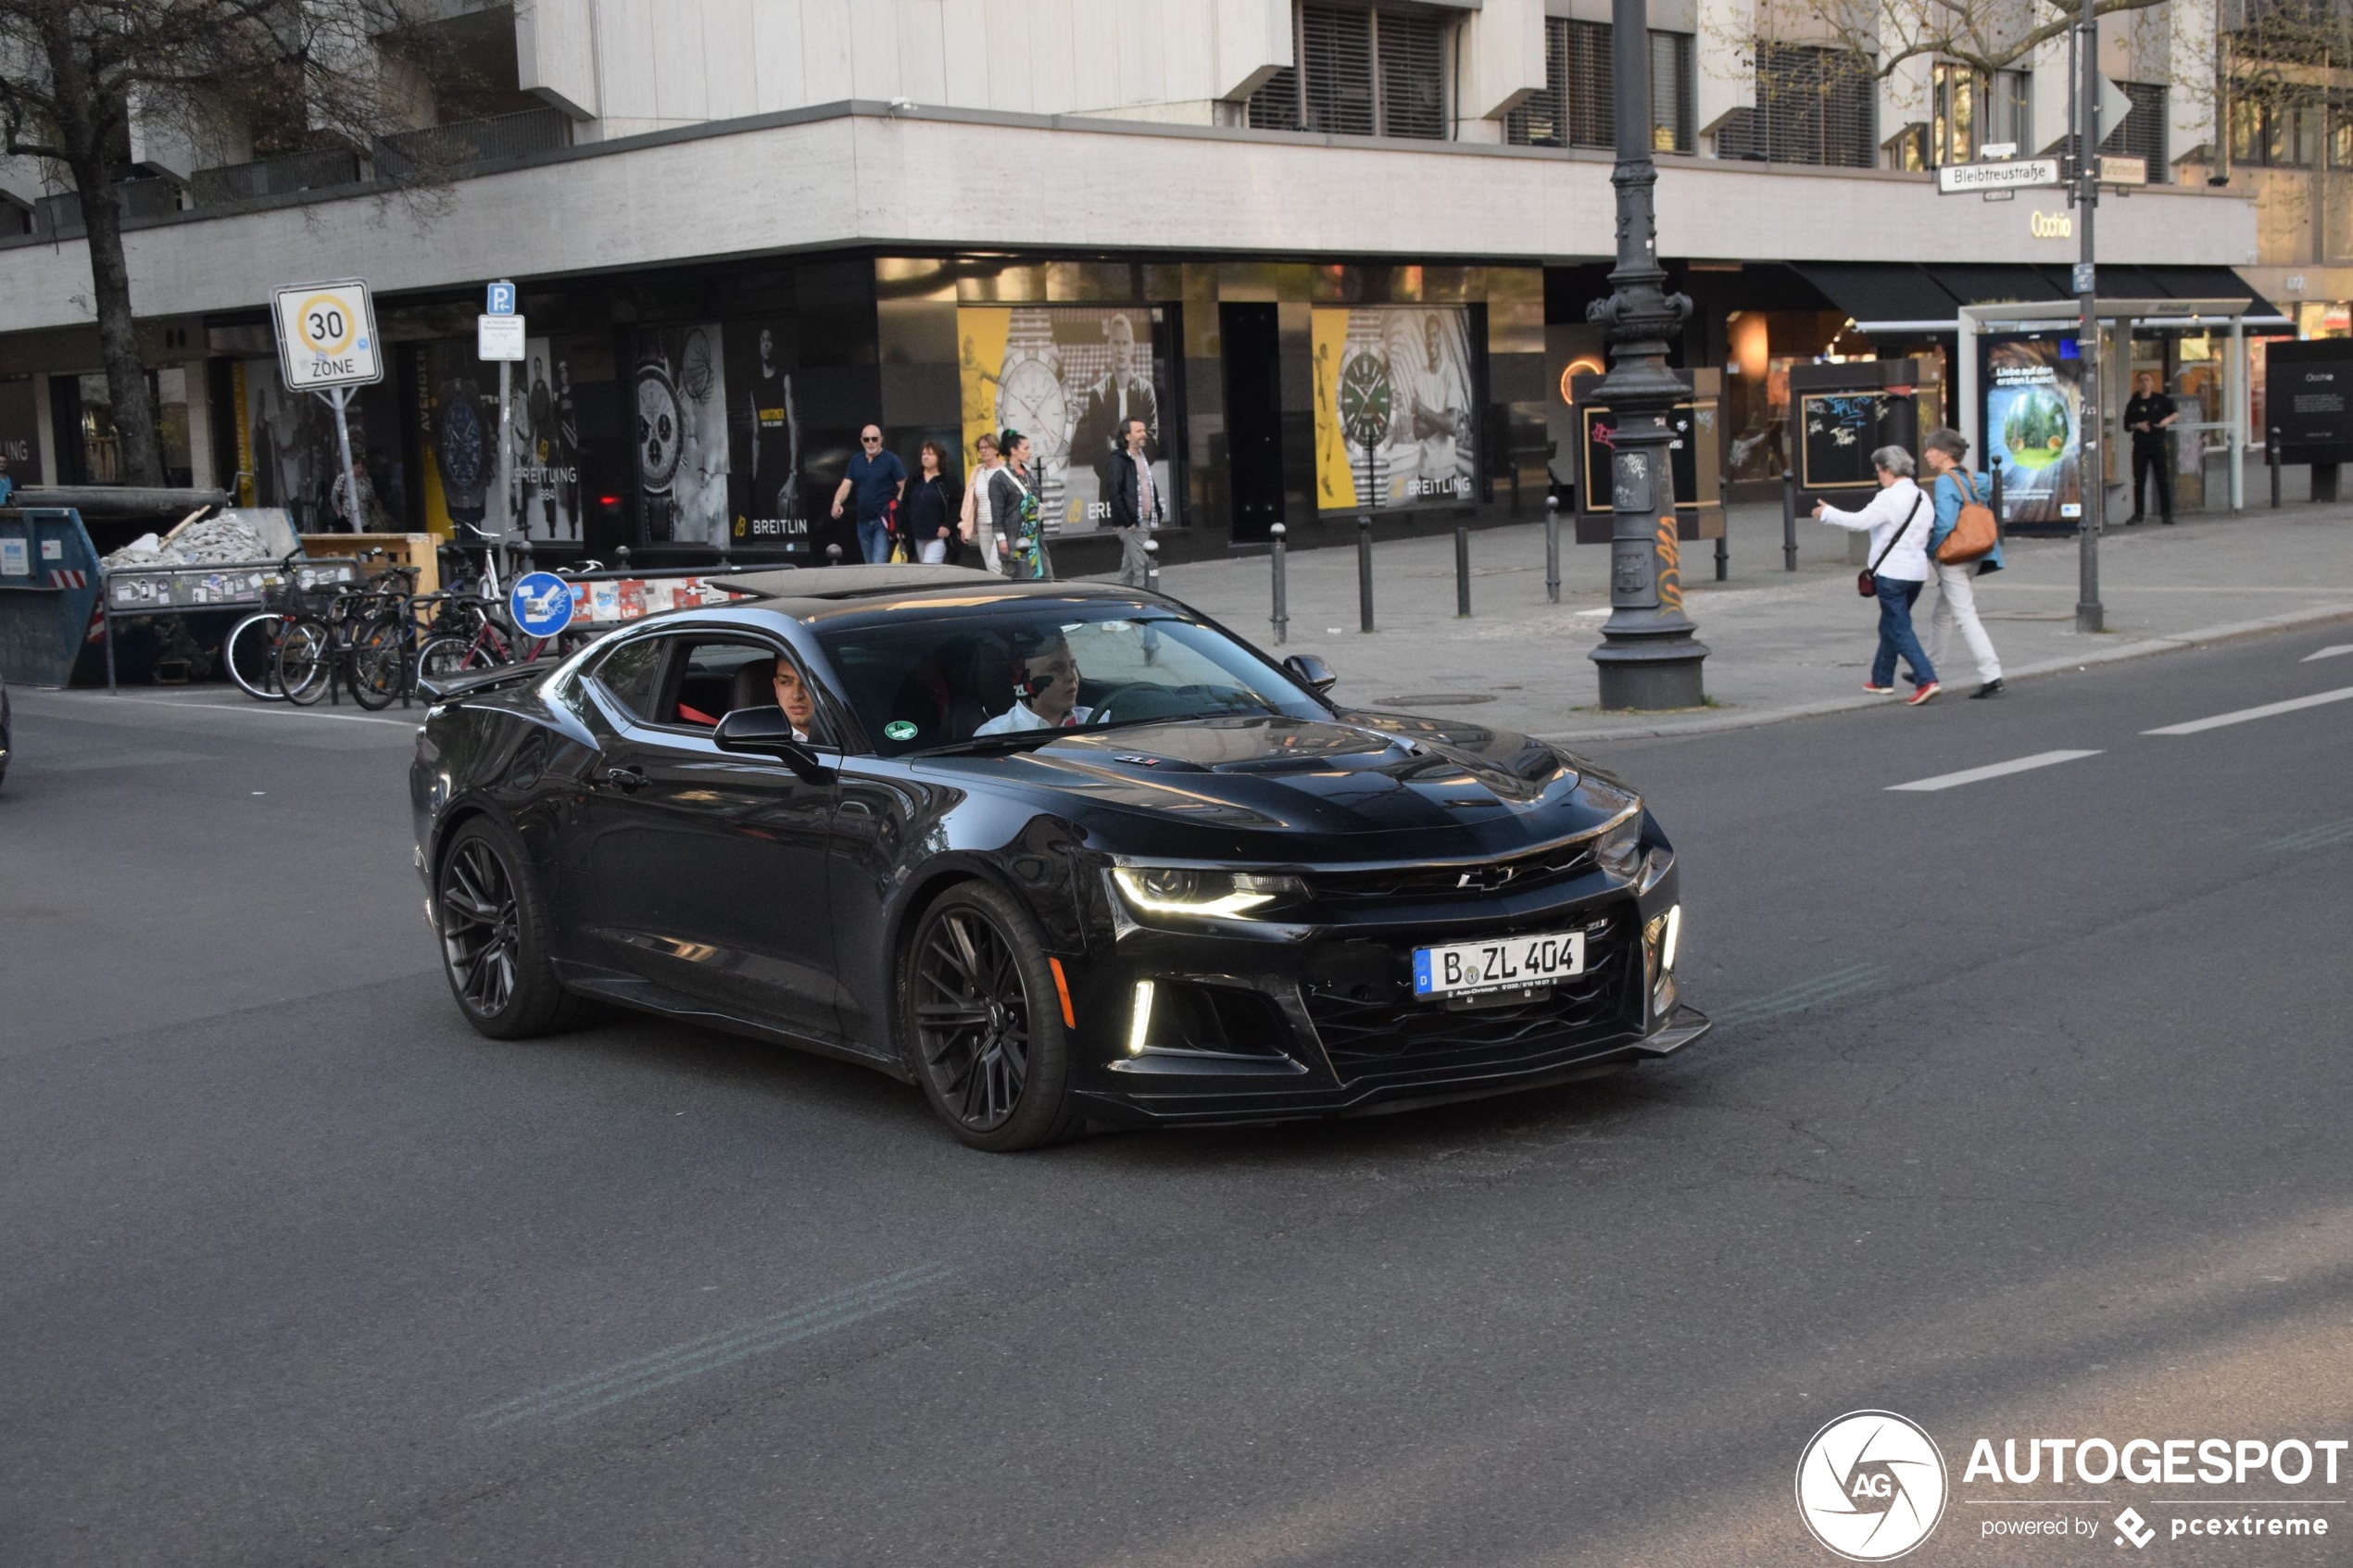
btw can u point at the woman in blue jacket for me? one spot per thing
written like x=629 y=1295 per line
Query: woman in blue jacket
x=1946 y=454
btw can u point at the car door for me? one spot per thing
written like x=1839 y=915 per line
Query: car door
x=707 y=870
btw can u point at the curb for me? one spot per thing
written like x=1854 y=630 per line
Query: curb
x=2202 y=636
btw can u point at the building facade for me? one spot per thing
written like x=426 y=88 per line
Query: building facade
x=1337 y=255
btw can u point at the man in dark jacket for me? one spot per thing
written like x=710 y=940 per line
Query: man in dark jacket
x=1134 y=500
x=2147 y=415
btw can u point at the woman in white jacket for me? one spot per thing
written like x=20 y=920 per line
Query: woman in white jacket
x=1898 y=520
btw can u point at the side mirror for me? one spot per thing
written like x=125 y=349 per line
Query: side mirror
x=1312 y=673
x=765 y=731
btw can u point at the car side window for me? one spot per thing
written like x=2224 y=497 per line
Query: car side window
x=721 y=675
x=631 y=675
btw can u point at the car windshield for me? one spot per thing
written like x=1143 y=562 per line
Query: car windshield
x=964 y=679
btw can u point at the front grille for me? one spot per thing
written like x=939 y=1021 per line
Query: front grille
x=1360 y=996
x=1408 y=884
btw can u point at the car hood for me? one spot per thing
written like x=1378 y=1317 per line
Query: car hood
x=1360 y=783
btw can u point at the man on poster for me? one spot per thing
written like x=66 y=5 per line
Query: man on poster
x=1121 y=395
x=775 y=436
x=1134 y=503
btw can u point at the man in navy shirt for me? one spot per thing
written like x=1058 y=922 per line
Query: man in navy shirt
x=877 y=479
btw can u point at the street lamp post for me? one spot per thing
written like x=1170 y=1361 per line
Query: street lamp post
x=2092 y=446
x=1648 y=658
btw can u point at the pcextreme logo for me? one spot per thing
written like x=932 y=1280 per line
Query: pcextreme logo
x=1870 y=1486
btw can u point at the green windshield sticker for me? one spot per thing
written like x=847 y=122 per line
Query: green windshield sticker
x=900 y=729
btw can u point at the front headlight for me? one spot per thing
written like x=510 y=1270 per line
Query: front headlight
x=1184 y=890
x=1620 y=850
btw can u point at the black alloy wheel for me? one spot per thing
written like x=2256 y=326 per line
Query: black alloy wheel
x=984 y=1019
x=494 y=944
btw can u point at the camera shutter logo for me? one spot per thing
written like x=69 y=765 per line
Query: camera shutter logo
x=1872 y=1486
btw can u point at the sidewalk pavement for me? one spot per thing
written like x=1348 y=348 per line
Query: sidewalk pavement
x=1780 y=645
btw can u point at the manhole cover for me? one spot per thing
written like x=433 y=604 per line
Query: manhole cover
x=1436 y=699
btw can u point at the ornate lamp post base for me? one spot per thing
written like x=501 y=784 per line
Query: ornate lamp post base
x=1652 y=670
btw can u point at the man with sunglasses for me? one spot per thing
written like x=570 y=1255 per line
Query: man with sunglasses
x=877 y=478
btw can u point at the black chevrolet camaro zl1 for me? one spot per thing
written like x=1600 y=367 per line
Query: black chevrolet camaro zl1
x=1060 y=853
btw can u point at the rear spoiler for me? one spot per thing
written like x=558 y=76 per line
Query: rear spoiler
x=473 y=684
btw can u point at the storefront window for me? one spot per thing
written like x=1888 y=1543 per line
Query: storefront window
x=101 y=445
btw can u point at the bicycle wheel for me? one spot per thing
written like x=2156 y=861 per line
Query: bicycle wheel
x=380 y=660
x=250 y=654
x=306 y=661
x=444 y=659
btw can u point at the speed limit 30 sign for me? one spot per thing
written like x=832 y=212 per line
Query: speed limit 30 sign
x=327 y=335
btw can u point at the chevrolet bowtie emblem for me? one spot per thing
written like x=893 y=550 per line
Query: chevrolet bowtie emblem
x=1487 y=878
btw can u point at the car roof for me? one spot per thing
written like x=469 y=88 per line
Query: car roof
x=838 y=594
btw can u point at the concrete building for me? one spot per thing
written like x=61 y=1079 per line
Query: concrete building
x=1337 y=254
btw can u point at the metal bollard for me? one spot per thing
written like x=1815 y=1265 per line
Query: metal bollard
x=2272 y=456
x=1998 y=513
x=1723 y=551
x=622 y=555
x=1462 y=574
x=1151 y=566
x=524 y=555
x=1553 y=549
x=1282 y=606
x=1788 y=520
x=1365 y=571
x=832 y=555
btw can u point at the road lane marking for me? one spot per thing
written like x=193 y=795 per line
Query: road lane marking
x=2327 y=653
x=691 y=1358
x=2244 y=714
x=255 y=709
x=2315 y=838
x=1830 y=987
x=1995 y=769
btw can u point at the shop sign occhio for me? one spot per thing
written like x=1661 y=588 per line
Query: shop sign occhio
x=2051 y=225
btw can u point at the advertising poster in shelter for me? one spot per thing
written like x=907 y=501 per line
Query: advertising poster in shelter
x=1394 y=407
x=2033 y=398
x=768 y=503
x=681 y=400
x=1068 y=377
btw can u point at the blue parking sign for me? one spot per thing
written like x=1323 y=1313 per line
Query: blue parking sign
x=501 y=300
x=541 y=602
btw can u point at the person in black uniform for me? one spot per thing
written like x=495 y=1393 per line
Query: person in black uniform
x=2147 y=416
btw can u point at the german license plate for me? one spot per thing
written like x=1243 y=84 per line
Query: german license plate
x=1511 y=963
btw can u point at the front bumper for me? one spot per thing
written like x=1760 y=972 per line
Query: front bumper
x=1321 y=1021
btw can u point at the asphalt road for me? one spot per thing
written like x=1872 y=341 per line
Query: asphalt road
x=2027 y=1118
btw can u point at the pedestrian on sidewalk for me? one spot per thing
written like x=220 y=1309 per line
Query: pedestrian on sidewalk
x=978 y=538
x=877 y=479
x=2148 y=415
x=931 y=522
x=1136 y=508
x=1946 y=454
x=1899 y=569
x=1014 y=512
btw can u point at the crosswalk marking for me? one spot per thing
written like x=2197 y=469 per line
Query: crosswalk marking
x=1995 y=770
x=2244 y=714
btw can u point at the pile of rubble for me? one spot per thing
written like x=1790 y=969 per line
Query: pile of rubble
x=215 y=540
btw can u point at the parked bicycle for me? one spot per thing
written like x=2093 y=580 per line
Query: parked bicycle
x=363 y=640
x=250 y=651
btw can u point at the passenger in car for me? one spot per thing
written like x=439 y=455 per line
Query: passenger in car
x=1045 y=690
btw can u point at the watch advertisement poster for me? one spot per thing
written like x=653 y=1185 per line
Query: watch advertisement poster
x=2033 y=401
x=1068 y=377
x=769 y=509
x=292 y=458
x=1393 y=407
x=680 y=393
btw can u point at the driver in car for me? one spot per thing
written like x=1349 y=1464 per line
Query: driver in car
x=779 y=681
x=1045 y=690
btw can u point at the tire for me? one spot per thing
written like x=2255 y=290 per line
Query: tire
x=250 y=656
x=495 y=938
x=983 y=1025
x=379 y=661
x=306 y=665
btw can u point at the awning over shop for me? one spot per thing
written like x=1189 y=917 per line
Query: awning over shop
x=1988 y=284
x=1879 y=290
